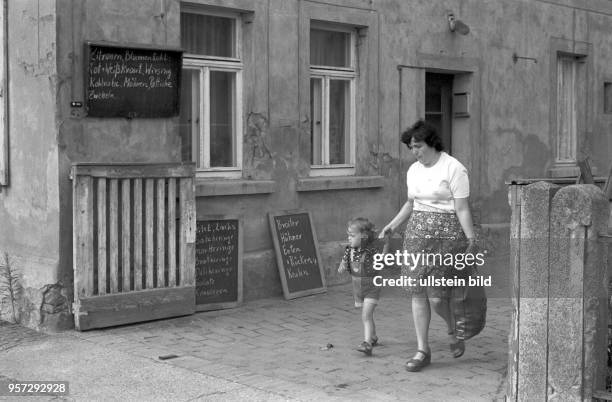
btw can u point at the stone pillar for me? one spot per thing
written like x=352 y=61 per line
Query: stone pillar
x=530 y=270
x=557 y=345
x=577 y=314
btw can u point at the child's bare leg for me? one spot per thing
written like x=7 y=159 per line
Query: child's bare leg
x=367 y=316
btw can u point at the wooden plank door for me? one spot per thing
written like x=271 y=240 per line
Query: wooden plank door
x=133 y=243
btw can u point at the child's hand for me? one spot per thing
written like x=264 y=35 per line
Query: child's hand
x=387 y=231
x=386 y=243
x=342 y=268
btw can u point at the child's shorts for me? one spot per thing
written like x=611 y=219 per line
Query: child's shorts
x=365 y=291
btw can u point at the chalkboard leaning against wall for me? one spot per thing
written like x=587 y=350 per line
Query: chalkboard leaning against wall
x=218 y=264
x=297 y=253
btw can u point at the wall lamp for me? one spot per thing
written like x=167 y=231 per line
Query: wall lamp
x=456 y=25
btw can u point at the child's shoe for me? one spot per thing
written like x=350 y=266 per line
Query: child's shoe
x=365 y=347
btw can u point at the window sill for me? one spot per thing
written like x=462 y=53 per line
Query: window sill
x=210 y=188
x=561 y=171
x=336 y=171
x=339 y=183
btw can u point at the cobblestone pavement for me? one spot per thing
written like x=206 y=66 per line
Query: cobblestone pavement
x=13 y=335
x=281 y=346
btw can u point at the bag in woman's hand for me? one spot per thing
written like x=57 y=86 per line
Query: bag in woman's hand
x=469 y=307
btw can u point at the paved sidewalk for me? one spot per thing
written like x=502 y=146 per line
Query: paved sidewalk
x=270 y=349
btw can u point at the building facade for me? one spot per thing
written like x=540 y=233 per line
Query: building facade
x=297 y=104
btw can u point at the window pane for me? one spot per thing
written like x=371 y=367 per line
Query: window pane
x=221 y=119
x=189 y=120
x=329 y=48
x=566 y=110
x=207 y=35
x=339 y=112
x=316 y=121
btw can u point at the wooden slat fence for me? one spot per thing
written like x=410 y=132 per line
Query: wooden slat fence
x=133 y=242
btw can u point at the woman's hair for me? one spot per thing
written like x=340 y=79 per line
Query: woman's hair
x=423 y=131
x=364 y=226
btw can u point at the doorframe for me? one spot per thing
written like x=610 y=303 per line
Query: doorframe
x=468 y=140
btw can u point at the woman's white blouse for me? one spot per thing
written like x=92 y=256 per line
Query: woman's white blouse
x=434 y=188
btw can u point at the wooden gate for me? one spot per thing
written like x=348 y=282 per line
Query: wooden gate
x=133 y=242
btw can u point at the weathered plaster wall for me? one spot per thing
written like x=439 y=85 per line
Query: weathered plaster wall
x=507 y=136
x=278 y=135
x=600 y=144
x=515 y=137
x=29 y=207
x=84 y=139
x=513 y=133
x=510 y=133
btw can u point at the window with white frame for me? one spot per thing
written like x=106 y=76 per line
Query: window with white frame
x=333 y=74
x=567 y=114
x=211 y=92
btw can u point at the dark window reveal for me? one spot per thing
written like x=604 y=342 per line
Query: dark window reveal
x=329 y=48
x=608 y=97
x=207 y=35
x=438 y=105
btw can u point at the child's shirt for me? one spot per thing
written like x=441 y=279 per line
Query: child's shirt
x=359 y=261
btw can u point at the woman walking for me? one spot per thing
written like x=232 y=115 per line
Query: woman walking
x=439 y=221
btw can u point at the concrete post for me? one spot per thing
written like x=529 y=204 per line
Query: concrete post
x=514 y=199
x=529 y=263
x=557 y=345
x=578 y=294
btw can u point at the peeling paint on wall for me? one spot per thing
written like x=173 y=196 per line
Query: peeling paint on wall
x=381 y=163
x=256 y=136
x=46 y=308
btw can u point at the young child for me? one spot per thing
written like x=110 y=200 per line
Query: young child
x=357 y=260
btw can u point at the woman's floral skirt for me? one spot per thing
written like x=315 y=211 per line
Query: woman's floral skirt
x=438 y=237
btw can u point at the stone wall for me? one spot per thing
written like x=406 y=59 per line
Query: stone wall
x=559 y=263
x=30 y=207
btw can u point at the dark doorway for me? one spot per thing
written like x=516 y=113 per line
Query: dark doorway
x=438 y=105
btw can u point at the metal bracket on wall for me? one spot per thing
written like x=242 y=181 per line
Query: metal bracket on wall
x=516 y=57
x=605 y=237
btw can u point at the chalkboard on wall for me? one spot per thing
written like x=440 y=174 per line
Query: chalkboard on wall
x=218 y=262
x=297 y=253
x=131 y=81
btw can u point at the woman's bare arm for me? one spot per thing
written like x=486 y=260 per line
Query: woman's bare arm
x=462 y=209
x=403 y=214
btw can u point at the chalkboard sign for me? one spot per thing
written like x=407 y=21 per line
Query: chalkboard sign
x=297 y=253
x=131 y=81
x=218 y=265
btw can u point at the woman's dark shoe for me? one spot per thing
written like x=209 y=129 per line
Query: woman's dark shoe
x=374 y=341
x=414 y=365
x=365 y=347
x=457 y=349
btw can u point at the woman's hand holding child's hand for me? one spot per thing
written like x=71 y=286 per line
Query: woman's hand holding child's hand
x=387 y=231
x=342 y=268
